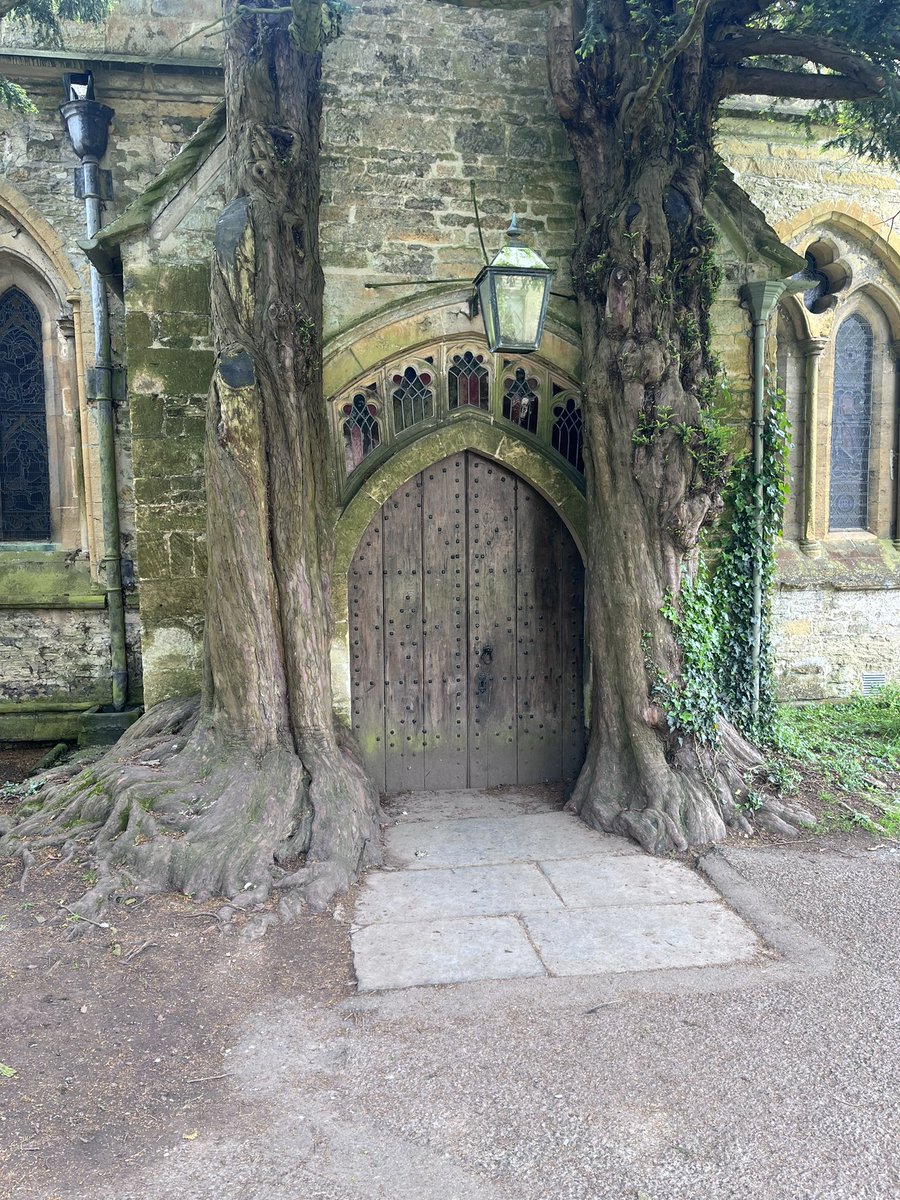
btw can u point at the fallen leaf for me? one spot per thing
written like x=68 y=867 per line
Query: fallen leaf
x=189 y=1137
x=7 y=1072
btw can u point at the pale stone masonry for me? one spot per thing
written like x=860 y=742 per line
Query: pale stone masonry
x=421 y=101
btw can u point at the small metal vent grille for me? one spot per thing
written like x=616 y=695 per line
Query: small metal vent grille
x=872 y=682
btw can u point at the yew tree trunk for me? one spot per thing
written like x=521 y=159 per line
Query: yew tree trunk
x=643 y=273
x=255 y=787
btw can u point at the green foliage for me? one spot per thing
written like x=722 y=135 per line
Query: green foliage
x=847 y=741
x=692 y=705
x=870 y=30
x=595 y=33
x=849 y=750
x=712 y=619
x=44 y=18
x=15 y=97
x=652 y=421
x=747 y=543
x=707 y=442
x=858 y=41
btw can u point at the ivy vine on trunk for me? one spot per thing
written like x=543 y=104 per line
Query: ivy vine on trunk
x=663 y=765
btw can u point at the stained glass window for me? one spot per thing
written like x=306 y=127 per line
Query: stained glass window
x=567 y=432
x=520 y=399
x=361 y=431
x=24 y=460
x=412 y=396
x=468 y=381
x=851 y=422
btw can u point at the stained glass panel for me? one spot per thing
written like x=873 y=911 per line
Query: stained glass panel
x=851 y=422
x=567 y=433
x=412 y=397
x=24 y=459
x=361 y=431
x=520 y=399
x=469 y=384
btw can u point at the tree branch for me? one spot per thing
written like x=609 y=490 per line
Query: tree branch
x=749 y=81
x=825 y=51
x=644 y=96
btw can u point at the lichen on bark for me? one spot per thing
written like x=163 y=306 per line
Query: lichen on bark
x=252 y=787
x=643 y=138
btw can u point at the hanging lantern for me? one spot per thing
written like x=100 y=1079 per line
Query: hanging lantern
x=513 y=293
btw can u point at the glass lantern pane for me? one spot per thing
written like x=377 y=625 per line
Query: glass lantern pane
x=488 y=312
x=520 y=303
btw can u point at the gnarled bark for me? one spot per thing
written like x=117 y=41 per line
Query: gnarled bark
x=642 y=276
x=254 y=787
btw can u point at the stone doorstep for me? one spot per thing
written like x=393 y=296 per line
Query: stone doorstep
x=503 y=889
x=612 y=940
x=425 y=845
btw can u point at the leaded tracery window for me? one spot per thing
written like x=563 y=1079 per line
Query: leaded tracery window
x=851 y=424
x=360 y=430
x=567 y=434
x=520 y=399
x=445 y=383
x=468 y=381
x=24 y=458
x=412 y=396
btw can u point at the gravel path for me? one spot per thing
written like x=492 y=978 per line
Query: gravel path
x=770 y=1081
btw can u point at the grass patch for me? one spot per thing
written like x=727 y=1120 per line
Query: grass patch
x=843 y=760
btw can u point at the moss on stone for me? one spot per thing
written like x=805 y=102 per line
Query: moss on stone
x=46 y=579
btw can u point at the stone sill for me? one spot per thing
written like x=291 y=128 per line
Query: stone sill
x=38 y=577
x=855 y=562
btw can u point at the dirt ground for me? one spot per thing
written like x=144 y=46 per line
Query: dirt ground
x=175 y=1051
x=120 y=1039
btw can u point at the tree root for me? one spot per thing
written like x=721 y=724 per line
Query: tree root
x=692 y=801
x=175 y=807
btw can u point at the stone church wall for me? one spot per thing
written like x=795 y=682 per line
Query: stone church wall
x=420 y=101
x=55 y=653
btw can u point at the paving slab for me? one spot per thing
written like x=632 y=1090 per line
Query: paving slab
x=417 y=953
x=423 y=845
x=603 y=880
x=456 y=892
x=639 y=938
x=436 y=806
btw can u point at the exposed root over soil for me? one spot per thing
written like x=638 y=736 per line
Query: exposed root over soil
x=175 y=807
x=692 y=801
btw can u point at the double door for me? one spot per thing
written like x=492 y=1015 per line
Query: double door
x=466 y=634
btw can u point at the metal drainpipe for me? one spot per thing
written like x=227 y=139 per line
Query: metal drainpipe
x=87 y=122
x=760 y=298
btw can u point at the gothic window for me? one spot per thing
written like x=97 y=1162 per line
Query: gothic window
x=360 y=429
x=468 y=380
x=24 y=456
x=442 y=383
x=567 y=432
x=412 y=396
x=851 y=423
x=520 y=399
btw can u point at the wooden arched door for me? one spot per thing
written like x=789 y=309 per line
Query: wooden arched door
x=466 y=599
